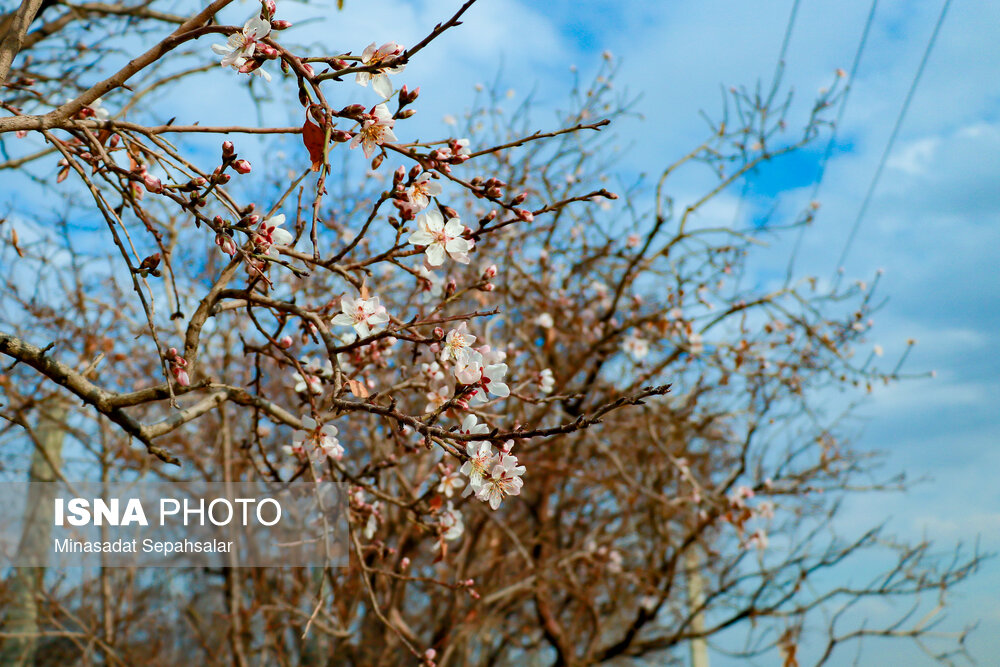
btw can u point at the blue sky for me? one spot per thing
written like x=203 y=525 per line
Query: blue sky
x=933 y=225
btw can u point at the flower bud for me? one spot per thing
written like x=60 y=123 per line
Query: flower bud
x=489 y=287
x=490 y=271
x=152 y=183
x=228 y=150
x=377 y=161
x=406 y=113
x=280 y=24
x=525 y=215
x=438 y=332
x=399 y=175
x=242 y=166
x=519 y=199
x=308 y=70
x=285 y=342
x=352 y=110
x=340 y=136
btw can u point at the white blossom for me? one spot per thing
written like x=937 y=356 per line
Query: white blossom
x=451 y=522
x=546 y=381
x=479 y=465
x=504 y=480
x=441 y=237
x=635 y=347
x=450 y=483
x=240 y=46
x=545 y=321
x=269 y=235
x=422 y=190
x=380 y=81
x=458 y=345
x=322 y=438
x=365 y=315
x=375 y=130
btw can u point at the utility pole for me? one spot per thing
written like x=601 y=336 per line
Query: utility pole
x=696 y=599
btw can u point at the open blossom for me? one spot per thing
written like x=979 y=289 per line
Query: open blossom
x=270 y=235
x=479 y=465
x=422 y=190
x=241 y=45
x=504 y=480
x=364 y=315
x=375 y=130
x=458 y=345
x=380 y=81
x=486 y=380
x=451 y=522
x=450 y=483
x=437 y=397
x=322 y=438
x=440 y=237
x=635 y=347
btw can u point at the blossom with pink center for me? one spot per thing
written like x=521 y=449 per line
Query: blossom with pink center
x=375 y=130
x=240 y=46
x=458 y=345
x=422 y=190
x=322 y=438
x=486 y=381
x=441 y=237
x=450 y=483
x=365 y=315
x=479 y=465
x=269 y=235
x=379 y=79
x=504 y=480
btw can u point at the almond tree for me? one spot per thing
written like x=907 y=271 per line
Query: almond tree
x=575 y=426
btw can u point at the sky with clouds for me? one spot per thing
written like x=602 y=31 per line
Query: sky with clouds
x=933 y=225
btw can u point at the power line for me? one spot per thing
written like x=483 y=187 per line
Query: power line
x=828 y=151
x=779 y=69
x=892 y=137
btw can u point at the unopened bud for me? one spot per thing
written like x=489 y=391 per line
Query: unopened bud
x=310 y=72
x=285 y=342
x=242 y=166
x=525 y=215
x=352 y=110
x=489 y=287
x=228 y=150
x=340 y=136
x=438 y=332
x=280 y=24
x=404 y=563
x=152 y=183
x=406 y=113
x=519 y=199
x=449 y=212
x=490 y=271
x=399 y=175
x=377 y=160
